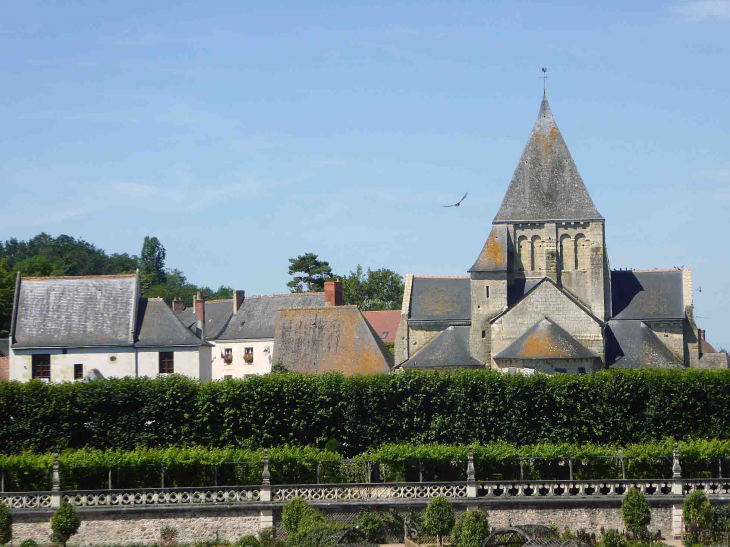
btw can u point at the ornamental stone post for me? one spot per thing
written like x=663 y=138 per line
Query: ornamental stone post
x=266 y=479
x=56 y=484
x=677 y=490
x=471 y=487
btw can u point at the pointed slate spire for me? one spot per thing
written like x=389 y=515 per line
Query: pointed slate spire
x=546 y=184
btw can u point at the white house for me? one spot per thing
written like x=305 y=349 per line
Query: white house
x=65 y=327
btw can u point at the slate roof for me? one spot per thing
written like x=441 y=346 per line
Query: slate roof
x=217 y=315
x=440 y=298
x=76 y=311
x=649 y=294
x=521 y=287
x=257 y=316
x=546 y=184
x=328 y=339
x=545 y=340
x=631 y=344
x=493 y=257
x=449 y=349
x=384 y=323
x=4 y=347
x=157 y=326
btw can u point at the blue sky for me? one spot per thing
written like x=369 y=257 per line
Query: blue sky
x=242 y=134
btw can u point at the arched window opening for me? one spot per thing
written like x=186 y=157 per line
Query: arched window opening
x=566 y=253
x=582 y=247
x=536 y=253
x=523 y=251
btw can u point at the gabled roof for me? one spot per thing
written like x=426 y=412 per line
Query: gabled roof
x=649 y=294
x=157 y=326
x=440 y=298
x=493 y=257
x=217 y=314
x=75 y=311
x=337 y=338
x=546 y=340
x=449 y=349
x=546 y=184
x=632 y=344
x=257 y=316
x=384 y=323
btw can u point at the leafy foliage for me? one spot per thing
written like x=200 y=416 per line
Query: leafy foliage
x=293 y=513
x=612 y=538
x=6 y=524
x=65 y=523
x=313 y=273
x=439 y=518
x=370 y=523
x=573 y=416
x=635 y=512
x=697 y=513
x=152 y=261
x=29 y=543
x=374 y=290
x=471 y=529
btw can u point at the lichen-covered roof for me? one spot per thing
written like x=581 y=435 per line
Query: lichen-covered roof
x=76 y=311
x=546 y=184
x=705 y=347
x=449 y=349
x=318 y=340
x=384 y=323
x=632 y=344
x=647 y=294
x=257 y=316
x=217 y=314
x=493 y=257
x=546 y=340
x=157 y=326
x=440 y=298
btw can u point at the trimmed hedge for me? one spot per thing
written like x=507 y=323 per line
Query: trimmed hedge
x=613 y=407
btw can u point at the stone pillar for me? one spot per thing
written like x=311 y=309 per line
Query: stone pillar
x=266 y=479
x=56 y=484
x=677 y=490
x=471 y=486
x=266 y=519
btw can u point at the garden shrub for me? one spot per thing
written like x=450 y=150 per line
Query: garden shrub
x=439 y=518
x=6 y=524
x=613 y=538
x=471 y=529
x=370 y=523
x=697 y=513
x=64 y=524
x=248 y=541
x=29 y=543
x=293 y=513
x=635 y=512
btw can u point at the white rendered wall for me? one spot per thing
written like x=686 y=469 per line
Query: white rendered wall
x=186 y=361
x=239 y=368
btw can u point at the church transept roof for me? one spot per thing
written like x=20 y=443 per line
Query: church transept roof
x=546 y=340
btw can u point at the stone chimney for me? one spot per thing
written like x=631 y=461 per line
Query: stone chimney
x=701 y=334
x=333 y=293
x=178 y=305
x=238 y=298
x=200 y=316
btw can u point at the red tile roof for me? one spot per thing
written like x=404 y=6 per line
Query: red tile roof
x=384 y=323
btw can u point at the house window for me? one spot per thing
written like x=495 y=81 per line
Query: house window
x=581 y=370
x=563 y=370
x=384 y=335
x=228 y=356
x=167 y=362
x=227 y=377
x=484 y=334
x=41 y=367
x=486 y=290
x=248 y=355
x=78 y=371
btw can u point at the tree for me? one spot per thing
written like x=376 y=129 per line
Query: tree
x=65 y=523
x=471 y=529
x=314 y=273
x=6 y=524
x=375 y=290
x=439 y=518
x=697 y=513
x=635 y=512
x=152 y=261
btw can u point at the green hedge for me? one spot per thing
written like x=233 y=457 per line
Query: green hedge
x=614 y=407
x=88 y=469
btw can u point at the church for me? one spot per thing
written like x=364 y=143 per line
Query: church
x=541 y=296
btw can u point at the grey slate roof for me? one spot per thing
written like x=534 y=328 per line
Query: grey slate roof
x=158 y=326
x=631 y=344
x=647 y=294
x=217 y=315
x=521 y=287
x=546 y=340
x=76 y=311
x=546 y=184
x=449 y=349
x=4 y=347
x=493 y=257
x=440 y=298
x=257 y=316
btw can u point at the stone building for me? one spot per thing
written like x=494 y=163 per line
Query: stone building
x=541 y=295
x=4 y=359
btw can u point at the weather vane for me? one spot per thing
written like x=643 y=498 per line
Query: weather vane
x=543 y=78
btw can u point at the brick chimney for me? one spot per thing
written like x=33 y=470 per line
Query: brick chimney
x=200 y=316
x=701 y=334
x=178 y=305
x=333 y=293
x=238 y=298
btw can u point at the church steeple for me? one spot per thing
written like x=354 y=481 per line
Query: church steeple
x=546 y=184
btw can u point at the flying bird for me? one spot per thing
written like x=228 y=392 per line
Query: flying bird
x=458 y=202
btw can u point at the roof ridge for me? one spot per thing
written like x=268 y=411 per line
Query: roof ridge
x=286 y=294
x=309 y=308
x=442 y=277
x=103 y=276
